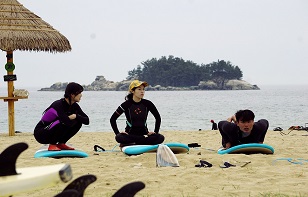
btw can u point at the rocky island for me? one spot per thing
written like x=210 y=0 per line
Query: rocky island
x=101 y=84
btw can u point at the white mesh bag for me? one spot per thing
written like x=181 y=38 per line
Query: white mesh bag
x=165 y=157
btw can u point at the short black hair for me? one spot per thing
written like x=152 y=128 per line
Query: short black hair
x=244 y=115
x=72 y=88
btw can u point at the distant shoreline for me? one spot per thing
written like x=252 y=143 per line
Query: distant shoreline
x=101 y=84
x=3 y=89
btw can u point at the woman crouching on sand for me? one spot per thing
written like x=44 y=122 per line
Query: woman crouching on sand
x=136 y=110
x=62 y=120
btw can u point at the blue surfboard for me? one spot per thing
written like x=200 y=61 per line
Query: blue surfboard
x=44 y=152
x=176 y=148
x=251 y=148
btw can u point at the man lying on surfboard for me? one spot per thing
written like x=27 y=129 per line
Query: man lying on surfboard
x=241 y=129
x=136 y=110
x=62 y=120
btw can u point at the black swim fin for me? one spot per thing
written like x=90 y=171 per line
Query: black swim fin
x=68 y=193
x=130 y=189
x=80 y=184
x=9 y=157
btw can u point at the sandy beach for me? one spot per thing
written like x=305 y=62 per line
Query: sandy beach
x=266 y=175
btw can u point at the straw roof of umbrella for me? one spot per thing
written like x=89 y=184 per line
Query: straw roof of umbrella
x=21 y=29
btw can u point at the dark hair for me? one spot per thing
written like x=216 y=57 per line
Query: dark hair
x=130 y=95
x=244 y=115
x=72 y=88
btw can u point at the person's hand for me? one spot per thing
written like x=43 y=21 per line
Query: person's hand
x=124 y=132
x=72 y=116
x=151 y=133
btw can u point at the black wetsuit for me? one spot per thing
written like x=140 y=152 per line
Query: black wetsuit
x=55 y=125
x=214 y=126
x=230 y=132
x=136 y=126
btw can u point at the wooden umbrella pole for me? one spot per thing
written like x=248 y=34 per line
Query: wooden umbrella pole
x=10 y=89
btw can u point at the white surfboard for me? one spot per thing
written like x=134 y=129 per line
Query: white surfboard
x=34 y=177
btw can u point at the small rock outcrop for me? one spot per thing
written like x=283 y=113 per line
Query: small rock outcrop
x=56 y=87
x=241 y=85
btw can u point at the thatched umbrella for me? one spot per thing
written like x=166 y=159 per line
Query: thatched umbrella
x=21 y=29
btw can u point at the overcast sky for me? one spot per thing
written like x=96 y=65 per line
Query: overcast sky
x=267 y=39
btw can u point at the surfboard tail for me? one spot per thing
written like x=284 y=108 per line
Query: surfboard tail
x=66 y=173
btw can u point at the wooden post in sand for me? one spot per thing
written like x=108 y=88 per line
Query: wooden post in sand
x=10 y=89
x=10 y=78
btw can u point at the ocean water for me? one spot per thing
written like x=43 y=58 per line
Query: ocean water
x=282 y=106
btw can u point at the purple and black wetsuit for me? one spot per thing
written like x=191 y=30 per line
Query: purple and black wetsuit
x=55 y=125
x=136 y=126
